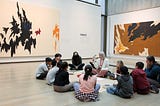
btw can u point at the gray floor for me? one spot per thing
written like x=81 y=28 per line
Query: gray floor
x=18 y=87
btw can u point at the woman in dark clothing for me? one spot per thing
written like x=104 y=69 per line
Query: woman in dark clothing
x=153 y=71
x=62 y=83
x=76 y=62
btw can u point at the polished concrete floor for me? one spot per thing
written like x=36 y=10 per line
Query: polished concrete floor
x=18 y=87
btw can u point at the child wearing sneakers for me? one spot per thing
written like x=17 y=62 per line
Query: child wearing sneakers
x=140 y=82
x=124 y=88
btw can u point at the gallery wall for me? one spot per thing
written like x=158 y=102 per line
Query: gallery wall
x=129 y=18
x=79 y=26
x=125 y=6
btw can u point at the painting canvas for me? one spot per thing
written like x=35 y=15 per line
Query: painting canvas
x=28 y=30
x=140 y=38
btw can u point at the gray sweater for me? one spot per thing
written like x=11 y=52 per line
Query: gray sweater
x=124 y=86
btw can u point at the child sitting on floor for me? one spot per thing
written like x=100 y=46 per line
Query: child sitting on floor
x=119 y=64
x=140 y=82
x=52 y=72
x=87 y=89
x=124 y=88
x=43 y=68
x=76 y=62
x=61 y=82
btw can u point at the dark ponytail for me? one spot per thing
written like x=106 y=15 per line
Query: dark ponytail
x=63 y=67
x=88 y=72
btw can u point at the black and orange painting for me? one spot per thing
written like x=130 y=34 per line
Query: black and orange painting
x=141 y=38
x=28 y=30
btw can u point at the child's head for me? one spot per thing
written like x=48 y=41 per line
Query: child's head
x=88 y=72
x=48 y=61
x=54 y=63
x=75 y=53
x=64 y=66
x=59 y=64
x=139 y=65
x=119 y=64
x=58 y=57
x=124 y=70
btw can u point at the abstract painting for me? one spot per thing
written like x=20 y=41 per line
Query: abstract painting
x=141 y=38
x=28 y=30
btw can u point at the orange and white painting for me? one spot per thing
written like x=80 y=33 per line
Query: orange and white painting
x=141 y=38
x=56 y=37
x=28 y=29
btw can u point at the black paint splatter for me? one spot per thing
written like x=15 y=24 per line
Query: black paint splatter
x=145 y=29
x=5 y=29
x=20 y=34
x=131 y=27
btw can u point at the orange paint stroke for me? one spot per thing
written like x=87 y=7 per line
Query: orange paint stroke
x=56 y=32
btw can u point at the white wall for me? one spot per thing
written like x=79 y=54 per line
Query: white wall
x=131 y=17
x=125 y=6
x=75 y=18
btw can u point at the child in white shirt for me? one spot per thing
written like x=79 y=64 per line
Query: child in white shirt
x=43 y=68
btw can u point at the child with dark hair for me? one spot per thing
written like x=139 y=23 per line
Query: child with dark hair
x=52 y=72
x=152 y=71
x=87 y=89
x=61 y=82
x=57 y=58
x=76 y=62
x=124 y=88
x=43 y=68
x=140 y=82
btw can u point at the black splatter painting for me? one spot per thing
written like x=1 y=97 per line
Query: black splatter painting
x=19 y=33
x=145 y=29
x=140 y=38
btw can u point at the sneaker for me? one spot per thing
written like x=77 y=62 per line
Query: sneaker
x=97 y=99
x=154 y=89
x=49 y=84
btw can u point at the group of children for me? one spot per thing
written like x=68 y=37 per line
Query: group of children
x=87 y=89
x=139 y=80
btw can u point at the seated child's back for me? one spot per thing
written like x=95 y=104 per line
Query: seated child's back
x=140 y=82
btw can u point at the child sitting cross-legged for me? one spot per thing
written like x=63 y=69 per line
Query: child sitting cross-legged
x=61 y=82
x=124 y=88
x=43 y=69
x=140 y=82
x=87 y=89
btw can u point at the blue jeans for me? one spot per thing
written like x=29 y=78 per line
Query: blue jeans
x=76 y=87
x=112 y=89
